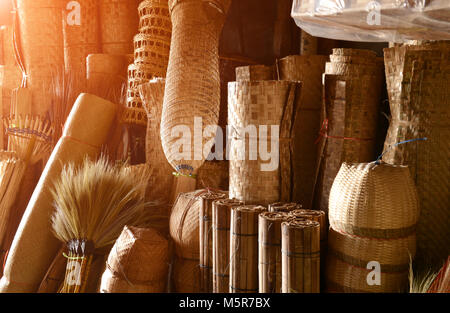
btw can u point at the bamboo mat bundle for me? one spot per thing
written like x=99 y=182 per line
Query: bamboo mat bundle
x=373 y=212
x=269 y=251
x=81 y=29
x=214 y=175
x=254 y=73
x=85 y=131
x=106 y=69
x=257 y=103
x=137 y=263
x=206 y=238
x=300 y=246
x=283 y=207
x=417 y=83
x=244 y=249
x=307 y=69
x=118 y=23
x=351 y=102
x=221 y=219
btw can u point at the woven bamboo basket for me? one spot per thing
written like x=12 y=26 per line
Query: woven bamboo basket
x=417 y=83
x=153 y=52
x=308 y=70
x=206 y=238
x=261 y=103
x=186 y=275
x=196 y=28
x=83 y=39
x=106 y=70
x=118 y=23
x=221 y=219
x=154 y=19
x=285 y=207
x=244 y=249
x=254 y=73
x=269 y=251
x=213 y=175
x=138 y=262
x=138 y=74
x=300 y=246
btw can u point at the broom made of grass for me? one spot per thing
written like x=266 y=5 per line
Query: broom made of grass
x=92 y=205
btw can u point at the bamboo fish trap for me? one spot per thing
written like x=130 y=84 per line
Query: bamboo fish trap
x=300 y=246
x=221 y=219
x=244 y=249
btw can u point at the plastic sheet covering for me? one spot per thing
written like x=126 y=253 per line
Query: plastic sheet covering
x=374 y=20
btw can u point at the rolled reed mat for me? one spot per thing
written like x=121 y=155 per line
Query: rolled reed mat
x=34 y=246
x=349 y=129
x=155 y=19
x=42 y=46
x=313 y=215
x=419 y=99
x=221 y=218
x=186 y=275
x=54 y=278
x=118 y=23
x=284 y=207
x=161 y=179
x=254 y=73
x=269 y=251
x=196 y=28
x=206 y=238
x=300 y=248
x=307 y=69
x=81 y=29
x=106 y=71
x=214 y=175
x=138 y=262
x=244 y=249
x=349 y=257
x=252 y=104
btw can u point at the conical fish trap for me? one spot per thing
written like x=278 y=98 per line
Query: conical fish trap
x=154 y=19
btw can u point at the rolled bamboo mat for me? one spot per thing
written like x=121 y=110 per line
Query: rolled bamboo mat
x=42 y=46
x=118 y=23
x=137 y=263
x=269 y=251
x=54 y=278
x=221 y=219
x=83 y=38
x=106 y=71
x=34 y=245
x=252 y=179
x=196 y=28
x=255 y=72
x=283 y=207
x=300 y=248
x=206 y=238
x=307 y=69
x=417 y=84
x=244 y=249
x=214 y=175
x=186 y=275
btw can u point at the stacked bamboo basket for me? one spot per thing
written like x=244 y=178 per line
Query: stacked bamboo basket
x=373 y=211
x=417 y=83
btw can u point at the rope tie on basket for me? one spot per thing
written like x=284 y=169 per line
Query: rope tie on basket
x=379 y=159
x=73 y=257
x=323 y=133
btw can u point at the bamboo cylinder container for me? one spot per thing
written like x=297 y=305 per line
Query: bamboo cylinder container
x=244 y=249
x=221 y=219
x=300 y=246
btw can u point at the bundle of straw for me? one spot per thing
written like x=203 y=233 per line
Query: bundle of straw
x=244 y=249
x=92 y=205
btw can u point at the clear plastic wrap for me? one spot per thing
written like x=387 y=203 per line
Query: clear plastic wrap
x=374 y=20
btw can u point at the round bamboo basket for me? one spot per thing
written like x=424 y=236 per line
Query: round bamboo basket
x=118 y=23
x=138 y=262
x=155 y=19
x=186 y=275
x=255 y=73
x=196 y=28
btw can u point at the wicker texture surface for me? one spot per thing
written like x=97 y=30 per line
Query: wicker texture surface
x=255 y=73
x=186 y=275
x=213 y=175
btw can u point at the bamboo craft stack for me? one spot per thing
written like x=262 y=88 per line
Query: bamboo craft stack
x=206 y=239
x=138 y=262
x=300 y=246
x=373 y=215
x=352 y=97
x=252 y=179
x=221 y=219
x=269 y=251
x=308 y=70
x=417 y=83
x=244 y=249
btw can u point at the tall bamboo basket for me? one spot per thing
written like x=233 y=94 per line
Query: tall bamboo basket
x=138 y=262
x=193 y=55
x=244 y=249
x=81 y=39
x=373 y=212
x=154 y=18
x=261 y=103
x=300 y=246
x=221 y=219
x=417 y=83
x=153 y=52
x=269 y=251
x=118 y=23
x=206 y=239
x=106 y=70
x=255 y=72
x=308 y=70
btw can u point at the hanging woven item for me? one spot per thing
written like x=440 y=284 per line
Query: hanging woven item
x=373 y=212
